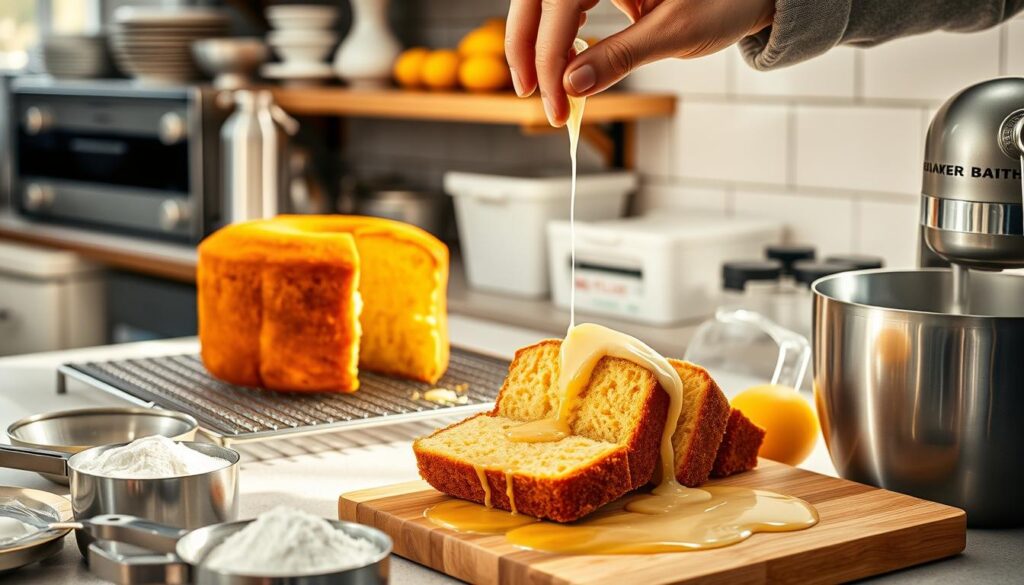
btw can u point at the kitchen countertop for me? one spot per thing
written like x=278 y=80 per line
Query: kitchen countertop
x=331 y=464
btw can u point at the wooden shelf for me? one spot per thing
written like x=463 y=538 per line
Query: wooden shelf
x=164 y=260
x=496 y=108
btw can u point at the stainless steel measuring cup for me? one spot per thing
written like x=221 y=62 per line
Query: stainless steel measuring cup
x=178 y=554
x=188 y=501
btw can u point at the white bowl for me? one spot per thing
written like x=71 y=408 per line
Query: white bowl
x=303 y=50
x=302 y=17
x=301 y=37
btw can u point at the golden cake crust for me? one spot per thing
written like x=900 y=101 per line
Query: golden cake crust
x=738 y=451
x=695 y=458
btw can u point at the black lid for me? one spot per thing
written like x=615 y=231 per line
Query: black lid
x=788 y=254
x=858 y=261
x=807 y=271
x=736 y=273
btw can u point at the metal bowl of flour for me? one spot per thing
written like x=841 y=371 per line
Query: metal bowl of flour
x=184 y=501
x=179 y=555
x=73 y=431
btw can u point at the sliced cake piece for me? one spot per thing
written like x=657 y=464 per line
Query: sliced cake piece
x=701 y=426
x=613 y=449
x=738 y=451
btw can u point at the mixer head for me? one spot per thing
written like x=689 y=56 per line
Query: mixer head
x=972 y=212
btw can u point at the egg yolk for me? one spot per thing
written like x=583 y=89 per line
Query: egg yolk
x=791 y=427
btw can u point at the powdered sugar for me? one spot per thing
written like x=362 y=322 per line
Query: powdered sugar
x=151 y=458
x=286 y=541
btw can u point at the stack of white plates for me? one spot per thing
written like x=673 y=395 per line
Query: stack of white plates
x=154 y=45
x=303 y=38
x=82 y=56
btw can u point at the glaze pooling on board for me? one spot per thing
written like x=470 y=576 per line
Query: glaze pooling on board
x=705 y=518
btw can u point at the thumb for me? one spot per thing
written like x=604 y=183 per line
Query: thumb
x=613 y=58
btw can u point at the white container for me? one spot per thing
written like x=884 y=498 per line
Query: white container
x=658 y=269
x=49 y=300
x=502 y=222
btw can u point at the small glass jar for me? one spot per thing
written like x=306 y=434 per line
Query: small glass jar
x=750 y=285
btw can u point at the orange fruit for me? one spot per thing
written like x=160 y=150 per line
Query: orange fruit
x=791 y=427
x=486 y=40
x=441 y=69
x=408 y=66
x=484 y=73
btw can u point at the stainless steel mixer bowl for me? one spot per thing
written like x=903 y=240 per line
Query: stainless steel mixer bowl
x=917 y=400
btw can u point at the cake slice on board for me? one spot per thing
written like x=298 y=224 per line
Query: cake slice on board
x=738 y=451
x=613 y=449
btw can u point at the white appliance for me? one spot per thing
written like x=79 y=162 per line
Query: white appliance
x=49 y=300
x=660 y=269
x=502 y=222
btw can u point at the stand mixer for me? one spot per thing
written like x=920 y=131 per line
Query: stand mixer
x=917 y=373
x=971 y=200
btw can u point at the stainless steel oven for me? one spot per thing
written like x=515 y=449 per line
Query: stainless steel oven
x=117 y=156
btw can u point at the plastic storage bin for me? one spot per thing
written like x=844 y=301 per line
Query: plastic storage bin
x=49 y=300
x=502 y=222
x=657 y=269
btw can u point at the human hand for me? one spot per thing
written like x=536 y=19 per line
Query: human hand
x=539 y=36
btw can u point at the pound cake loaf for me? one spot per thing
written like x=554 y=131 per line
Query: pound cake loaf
x=613 y=448
x=299 y=303
x=738 y=451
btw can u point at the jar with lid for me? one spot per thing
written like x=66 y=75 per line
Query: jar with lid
x=750 y=284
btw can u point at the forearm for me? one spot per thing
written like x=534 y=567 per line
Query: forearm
x=803 y=29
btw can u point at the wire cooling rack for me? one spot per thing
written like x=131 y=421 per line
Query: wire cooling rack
x=236 y=414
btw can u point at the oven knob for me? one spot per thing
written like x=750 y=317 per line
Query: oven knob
x=172 y=128
x=38 y=197
x=174 y=214
x=37 y=120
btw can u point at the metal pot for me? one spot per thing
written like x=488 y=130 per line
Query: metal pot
x=188 y=501
x=423 y=209
x=917 y=399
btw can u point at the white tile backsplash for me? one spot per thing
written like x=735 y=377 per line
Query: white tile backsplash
x=707 y=75
x=930 y=67
x=876 y=149
x=731 y=142
x=1014 y=49
x=655 y=196
x=824 y=222
x=831 y=75
x=889 y=230
x=653 y=147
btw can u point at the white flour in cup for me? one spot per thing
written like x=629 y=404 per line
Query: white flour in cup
x=286 y=541
x=151 y=458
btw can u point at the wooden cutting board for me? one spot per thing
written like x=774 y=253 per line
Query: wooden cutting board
x=863 y=531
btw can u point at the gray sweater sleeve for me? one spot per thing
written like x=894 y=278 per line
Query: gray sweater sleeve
x=803 y=29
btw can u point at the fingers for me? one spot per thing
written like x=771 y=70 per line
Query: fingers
x=520 y=41
x=610 y=60
x=559 y=24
